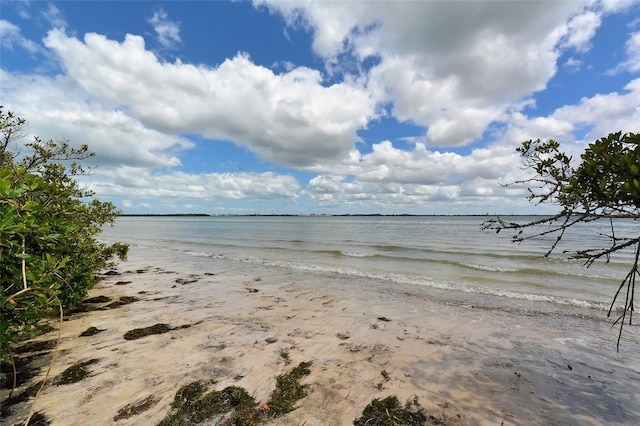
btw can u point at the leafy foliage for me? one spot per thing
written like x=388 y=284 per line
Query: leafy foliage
x=605 y=184
x=48 y=227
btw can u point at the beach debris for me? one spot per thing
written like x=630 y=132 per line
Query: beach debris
x=90 y=332
x=159 y=328
x=285 y=356
x=138 y=333
x=230 y=406
x=270 y=340
x=135 y=408
x=253 y=290
x=73 y=374
x=389 y=411
x=233 y=405
x=343 y=336
x=44 y=345
x=124 y=300
x=289 y=390
x=386 y=378
x=37 y=419
x=97 y=299
x=184 y=281
x=123 y=283
x=111 y=272
x=385 y=319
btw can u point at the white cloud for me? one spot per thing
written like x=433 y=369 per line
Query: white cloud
x=168 y=32
x=452 y=67
x=288 y=118
x=10 y=34
x=140 y=183
x=580 y=30
x=57 y=108
x=632 y=63
x=53 y=16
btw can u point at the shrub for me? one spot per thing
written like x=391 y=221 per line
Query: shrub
x=49 y=253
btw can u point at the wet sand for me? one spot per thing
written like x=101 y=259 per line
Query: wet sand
x=469 y=365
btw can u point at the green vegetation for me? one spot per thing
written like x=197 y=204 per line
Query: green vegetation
x=49 y=254
x=288 y=390
x=233 y=405
x=605 y=184
x=389 y=412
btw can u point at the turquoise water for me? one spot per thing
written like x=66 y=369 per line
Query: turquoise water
x=445 y=253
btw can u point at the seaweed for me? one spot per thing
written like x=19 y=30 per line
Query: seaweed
x=74 y=374
x=23 y=396
x=285 y=356
x=389 y=412
x=192 y=279
x=135 y=408
x=90 y=332
x=25 y=371
x=288 y=390
x=124 y=300
x=45 y=345
x=231 y=406
x=97 y=299
x=37 y=419
x=343 y=336
x=138 y=333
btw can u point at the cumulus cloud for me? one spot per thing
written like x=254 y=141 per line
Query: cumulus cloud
x=288 y=119
x=57 y=108
x=580 y=30
x=451 y=67
x=168 y=32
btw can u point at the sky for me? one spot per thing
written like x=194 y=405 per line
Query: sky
x=324 y=107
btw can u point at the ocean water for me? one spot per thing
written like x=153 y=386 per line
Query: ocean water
x=450 y=254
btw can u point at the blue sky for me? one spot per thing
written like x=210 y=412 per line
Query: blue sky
x=319 y=107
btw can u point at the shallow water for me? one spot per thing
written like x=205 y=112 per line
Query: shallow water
x=443 y=252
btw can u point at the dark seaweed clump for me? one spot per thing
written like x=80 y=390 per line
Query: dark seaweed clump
x=135 y=408
x=24 y=371
x=389 y=412
x=38 y=419
x=97 y=299
x=289 y=390
x=138 y=333
x=90 y=332
x=46 y=345
x=231 y=406
x=124 y=300
x=74 y=374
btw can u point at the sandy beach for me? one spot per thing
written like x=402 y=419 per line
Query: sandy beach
x=235 y=324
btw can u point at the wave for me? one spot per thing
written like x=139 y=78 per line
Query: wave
x=412 y=280
x=353 y=254
x=447 y=285
x=487 y=268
